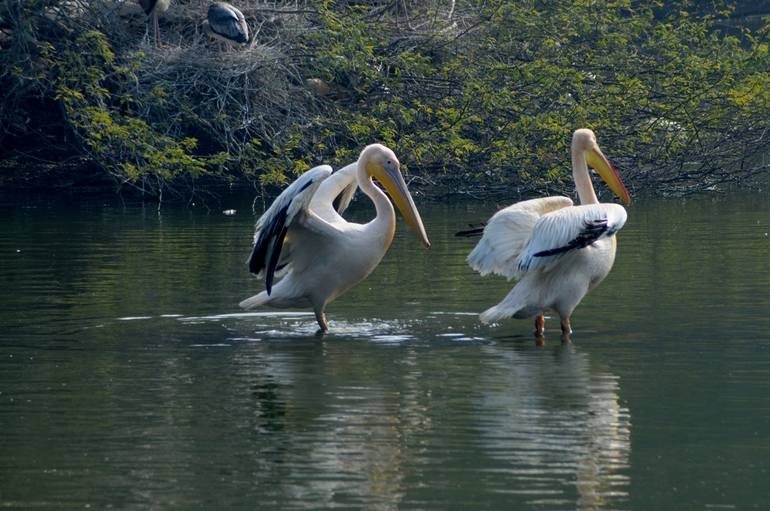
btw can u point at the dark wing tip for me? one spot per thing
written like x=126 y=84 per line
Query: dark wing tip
x=272 y=264
x=592 y=231
x=270 y=241
x=266 y=252
x=253 y=261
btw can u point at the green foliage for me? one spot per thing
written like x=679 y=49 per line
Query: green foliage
x=105 y=119
x=498 y=104
x=484 y=95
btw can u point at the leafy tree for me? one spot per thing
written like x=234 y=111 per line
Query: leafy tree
x=478 y=96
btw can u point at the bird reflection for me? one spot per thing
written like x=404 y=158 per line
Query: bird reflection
x=561 y=424
x=566 y=339
x=336 y=424
x=350 y=421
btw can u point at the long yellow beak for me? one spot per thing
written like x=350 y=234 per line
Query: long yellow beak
x=596 y=159
x=394 y=183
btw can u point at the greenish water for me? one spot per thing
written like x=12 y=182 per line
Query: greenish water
x=129 y=378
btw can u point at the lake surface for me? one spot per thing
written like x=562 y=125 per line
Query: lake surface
x=130 y=379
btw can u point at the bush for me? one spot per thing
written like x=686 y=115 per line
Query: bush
x=479 y=96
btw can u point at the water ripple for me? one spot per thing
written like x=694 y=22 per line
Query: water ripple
x=129 y=378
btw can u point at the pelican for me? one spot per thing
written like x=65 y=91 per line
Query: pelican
x=226 y=23
x=318 y=255
x=556 y=250
x=152 y=8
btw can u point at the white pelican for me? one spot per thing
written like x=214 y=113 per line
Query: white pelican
x=316 y=253
x=557 y=251
x=226 y=23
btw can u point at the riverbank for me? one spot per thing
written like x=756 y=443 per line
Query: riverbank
x=79 y=178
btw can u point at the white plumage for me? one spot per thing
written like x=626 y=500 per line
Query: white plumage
x=556 y=250
x=289 y=208
x=335 y=193
x=574 y=227
x=507 y=233
x=316 y=254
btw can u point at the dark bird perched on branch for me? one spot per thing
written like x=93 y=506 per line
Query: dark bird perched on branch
x=226 y=23
x=152 y=8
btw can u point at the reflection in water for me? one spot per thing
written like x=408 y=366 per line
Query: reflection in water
x=336 y=422
x=342 y=416
x=130 y=379
x=529 y=425
x=556 y=424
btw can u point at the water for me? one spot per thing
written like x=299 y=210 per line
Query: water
x=129 y=378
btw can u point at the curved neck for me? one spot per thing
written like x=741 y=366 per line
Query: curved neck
x=582 y=178
x=381 y=202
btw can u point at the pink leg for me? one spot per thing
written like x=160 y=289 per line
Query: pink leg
x=539 y=325
x=320 y=317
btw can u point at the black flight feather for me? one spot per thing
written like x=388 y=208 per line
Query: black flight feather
x=147 y=5
x=270 y=241
x=258 y=259
x=271 y=265
x=593 y=231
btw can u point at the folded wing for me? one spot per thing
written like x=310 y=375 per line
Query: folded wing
x=564 y=231
x=228 y=22
x=507 y=232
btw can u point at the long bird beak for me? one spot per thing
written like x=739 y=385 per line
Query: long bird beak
x=596 y=159
x=394 y=183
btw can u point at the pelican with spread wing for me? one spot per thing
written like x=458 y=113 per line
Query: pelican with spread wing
x=304 y=243
x=556 y=250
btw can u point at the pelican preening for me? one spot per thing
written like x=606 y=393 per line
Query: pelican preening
x=557 y=251
x=152 y=8
x=303 y=240
x=226 y=23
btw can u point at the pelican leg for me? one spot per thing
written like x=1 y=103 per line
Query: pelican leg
x=539 y=325
x=566 y=330
x=321 y=318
